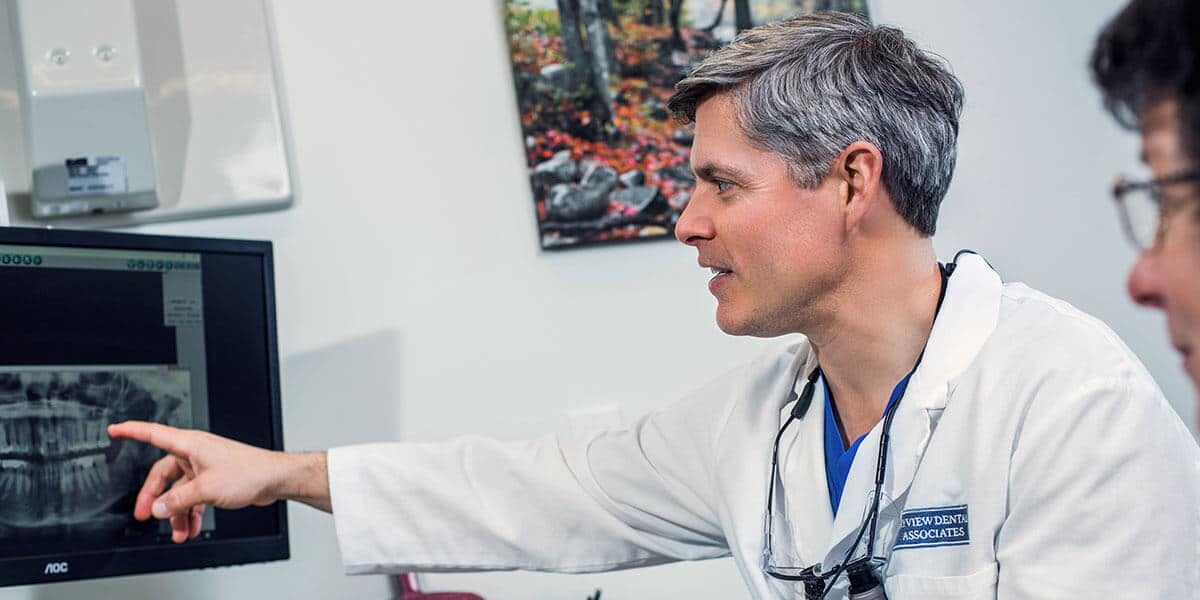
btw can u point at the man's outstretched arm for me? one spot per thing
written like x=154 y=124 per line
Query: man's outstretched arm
x=205 y=469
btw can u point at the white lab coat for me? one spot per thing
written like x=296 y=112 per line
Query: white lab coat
x=1030 y=419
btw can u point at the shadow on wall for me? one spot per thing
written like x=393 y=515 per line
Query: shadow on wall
x=341 y=394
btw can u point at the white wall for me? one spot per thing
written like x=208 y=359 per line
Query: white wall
x=414 y=302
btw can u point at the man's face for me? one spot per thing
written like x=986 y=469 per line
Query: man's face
x=778 y=247
x=1167 y=275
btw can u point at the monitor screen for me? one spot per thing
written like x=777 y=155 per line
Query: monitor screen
x=99 y=328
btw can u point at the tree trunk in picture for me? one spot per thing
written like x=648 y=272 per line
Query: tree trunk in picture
x=741 y=15
x=652 y=12
x=849 y=6
x=676 y=37
x=568 y=18
x=717 y=21
x=602 y=58
x=608 y=13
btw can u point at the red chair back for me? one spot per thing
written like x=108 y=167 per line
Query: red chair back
x=406 y=585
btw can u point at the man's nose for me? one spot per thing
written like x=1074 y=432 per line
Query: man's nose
x=1145 y=281
x=694 y=225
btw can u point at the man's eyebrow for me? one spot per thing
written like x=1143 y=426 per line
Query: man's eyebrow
x=710 y=171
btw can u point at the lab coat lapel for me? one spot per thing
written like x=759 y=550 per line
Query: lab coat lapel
x=967 y=318
x=802 y=470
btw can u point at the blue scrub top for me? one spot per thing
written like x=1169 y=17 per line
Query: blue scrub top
x=839 y=459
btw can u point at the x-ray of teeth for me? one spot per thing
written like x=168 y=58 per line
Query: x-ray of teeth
x=58 y=467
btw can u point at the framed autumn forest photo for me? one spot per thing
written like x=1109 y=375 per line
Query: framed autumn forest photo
x=606 y=161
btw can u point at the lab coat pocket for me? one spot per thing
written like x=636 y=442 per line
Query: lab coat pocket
x=976 y=586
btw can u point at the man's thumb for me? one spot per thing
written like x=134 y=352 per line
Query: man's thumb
x=178 y=501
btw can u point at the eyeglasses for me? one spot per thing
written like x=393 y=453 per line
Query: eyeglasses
x=781 y=564
x=1141 y=205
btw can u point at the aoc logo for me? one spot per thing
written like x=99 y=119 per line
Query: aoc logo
x=55 y=568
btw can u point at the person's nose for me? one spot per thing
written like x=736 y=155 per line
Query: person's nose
x=1145 y=281
x=695 y=224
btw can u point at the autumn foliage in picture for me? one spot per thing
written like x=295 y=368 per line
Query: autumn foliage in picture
x=606 y=161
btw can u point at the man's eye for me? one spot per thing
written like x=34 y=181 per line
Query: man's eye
x=1166 y=210
x=722 y=186
x=1167 y=206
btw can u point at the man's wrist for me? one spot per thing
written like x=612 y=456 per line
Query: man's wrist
x=305 y=478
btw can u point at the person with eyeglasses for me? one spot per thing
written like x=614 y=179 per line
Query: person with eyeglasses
x=1147 y=63
x=933 y=433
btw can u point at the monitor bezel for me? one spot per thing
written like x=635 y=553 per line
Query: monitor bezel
x=37 y=569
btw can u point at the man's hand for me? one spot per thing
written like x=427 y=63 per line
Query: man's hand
x=201 y=468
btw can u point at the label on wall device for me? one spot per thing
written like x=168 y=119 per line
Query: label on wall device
x=96 y=176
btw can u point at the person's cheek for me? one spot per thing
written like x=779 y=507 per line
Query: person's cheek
x=1183 y=279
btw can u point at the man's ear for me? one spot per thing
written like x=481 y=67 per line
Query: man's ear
x=860 y=169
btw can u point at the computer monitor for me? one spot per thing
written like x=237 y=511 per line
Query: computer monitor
x=100 y=327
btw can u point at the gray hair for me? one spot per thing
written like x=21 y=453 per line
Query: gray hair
x=807 y=87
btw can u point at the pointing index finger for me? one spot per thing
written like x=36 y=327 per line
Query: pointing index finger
x=162 y=436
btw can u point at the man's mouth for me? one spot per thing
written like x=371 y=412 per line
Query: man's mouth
x=717 y=271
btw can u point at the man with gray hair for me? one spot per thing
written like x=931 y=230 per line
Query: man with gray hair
x=933 y=433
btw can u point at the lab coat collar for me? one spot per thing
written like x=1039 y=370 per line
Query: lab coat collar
x=967 y=318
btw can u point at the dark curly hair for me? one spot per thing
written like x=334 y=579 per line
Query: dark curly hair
x=1150 y=52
